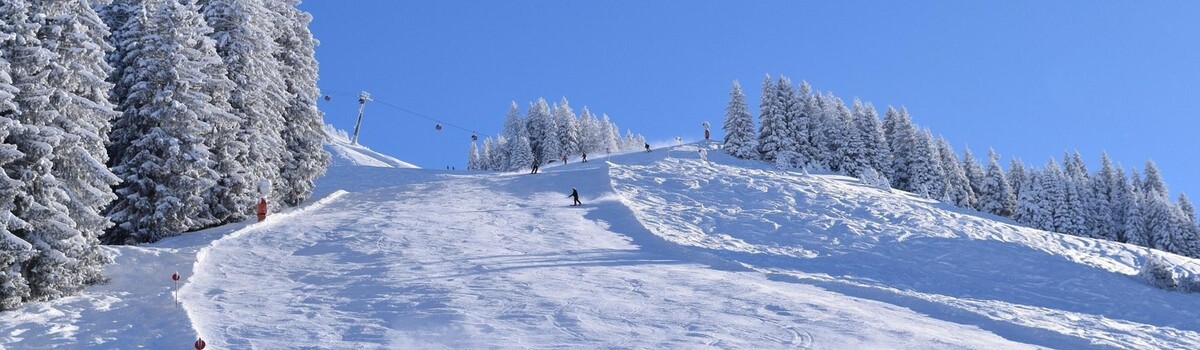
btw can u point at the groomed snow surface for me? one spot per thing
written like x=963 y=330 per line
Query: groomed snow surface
x=668 y=251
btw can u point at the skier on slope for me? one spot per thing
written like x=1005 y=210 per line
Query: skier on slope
x=535 y=167
x=648 y=148
x=584 y=158
x=575 y=195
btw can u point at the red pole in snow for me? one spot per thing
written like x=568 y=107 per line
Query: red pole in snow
x=262 y=209
x=199 y=344
x=175 y=277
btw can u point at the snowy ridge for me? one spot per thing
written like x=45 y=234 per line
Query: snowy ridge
x=346 y=153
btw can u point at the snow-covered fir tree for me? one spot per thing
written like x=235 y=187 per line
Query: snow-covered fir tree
x=1105 y=215
x=789 y=110
x=997 y=195
x=473 y=159
x=65 y=259
x=244 y=32
x=166 y=171
x=899 y=131
x=543 y=133
x=1135 y=224
x=1031 y=211
x=487 y=157
x=14 y=251
x=304 y=157
x=519 y=152
x=928 y=178
x=772 y=128
x=852 y=157
x=958 y=188
x=591 y=134
x=514 y=128
x=568 y=128
x=1017 y=175
x=870 y=130
x=975 y=175
x=1078 y=197
x=800 y=121
x=740 y=139
x=610 y=139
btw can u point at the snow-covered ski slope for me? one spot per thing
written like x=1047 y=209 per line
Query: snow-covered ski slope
x=346 y=153
x=667 y=252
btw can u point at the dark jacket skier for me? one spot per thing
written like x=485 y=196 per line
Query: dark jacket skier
x=584 y=158
x=535 y=168
x=648 y=148
x=575 y=195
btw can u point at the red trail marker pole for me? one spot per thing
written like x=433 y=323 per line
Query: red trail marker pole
x=199 y=344
x=175 y=277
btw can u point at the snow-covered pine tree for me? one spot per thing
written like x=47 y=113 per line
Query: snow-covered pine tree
x=1078 y=194
x=898 y=129
x=832 y=137
x=801 y=124
x=543 y=133
x=1135 y=224
x=1054 y=196
x=515 y=127
x=1104 y=218
x=1017 y=175
x=788 y=110
x=958 y=188
x=818 y=110
x=127 y=18
x=1152 y=183
x=1188 y=229
x=975 y=175
x=850 y=151
x=1030 y=209
x=304 y=155
x=80 y=103
x=41 y=200
x=771 y=125
x=14 y=251
x=928 y=178
x=740 y=139
x=486 y=156
x=871 y=131
x=473 y=159
x=568 y=128
x=519 y=153
x=244 y=33
x=609 y=136
x=590 y=133
x=166 y=171
x=997 y=194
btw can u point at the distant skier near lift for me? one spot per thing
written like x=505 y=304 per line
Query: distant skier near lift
x=584 y=158
x=535 y=168
x=575 y=195
x=647 y=147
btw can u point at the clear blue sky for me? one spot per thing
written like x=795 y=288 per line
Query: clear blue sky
x=1030 y=78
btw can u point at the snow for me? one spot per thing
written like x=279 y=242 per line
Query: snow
x=668 y=251
x=346 y=153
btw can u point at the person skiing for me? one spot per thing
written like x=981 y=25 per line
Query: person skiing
x=647 y=147
x=535 y=168
x=575 y=195
x=564 y=159
x=584 y=158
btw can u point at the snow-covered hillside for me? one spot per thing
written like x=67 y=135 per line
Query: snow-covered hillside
x=346 y=153
x=668 y=252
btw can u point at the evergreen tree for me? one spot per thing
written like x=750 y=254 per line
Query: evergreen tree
x=14 y=251
x=304 y=156
x=591 y=133
x=997 y=193
x=958 y=188
x=975 y=175
x=127 y=18
x=871 y=133
x=771 y=131
x=543 y=133
x=1017 y=175
x=519 y=153
x=1104 y=217
x=849 y=149
x=568 y=128
x=487 y=157
x=789 y=110
x=514 y=128
x=166 y=171
x=1031 y=211
x=928 y=179
x=1152 y=184
x=901 y=136
x=1135 y=224
x=740 y=139
x=473 y=160
x=610 y=138
x=55 y=269
x=244 y=33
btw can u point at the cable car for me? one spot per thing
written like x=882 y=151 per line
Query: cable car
x=438 y=127
x=474 y=138
x=327 y=98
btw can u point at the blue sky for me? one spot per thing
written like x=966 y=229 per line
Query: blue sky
x=1031 y=79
